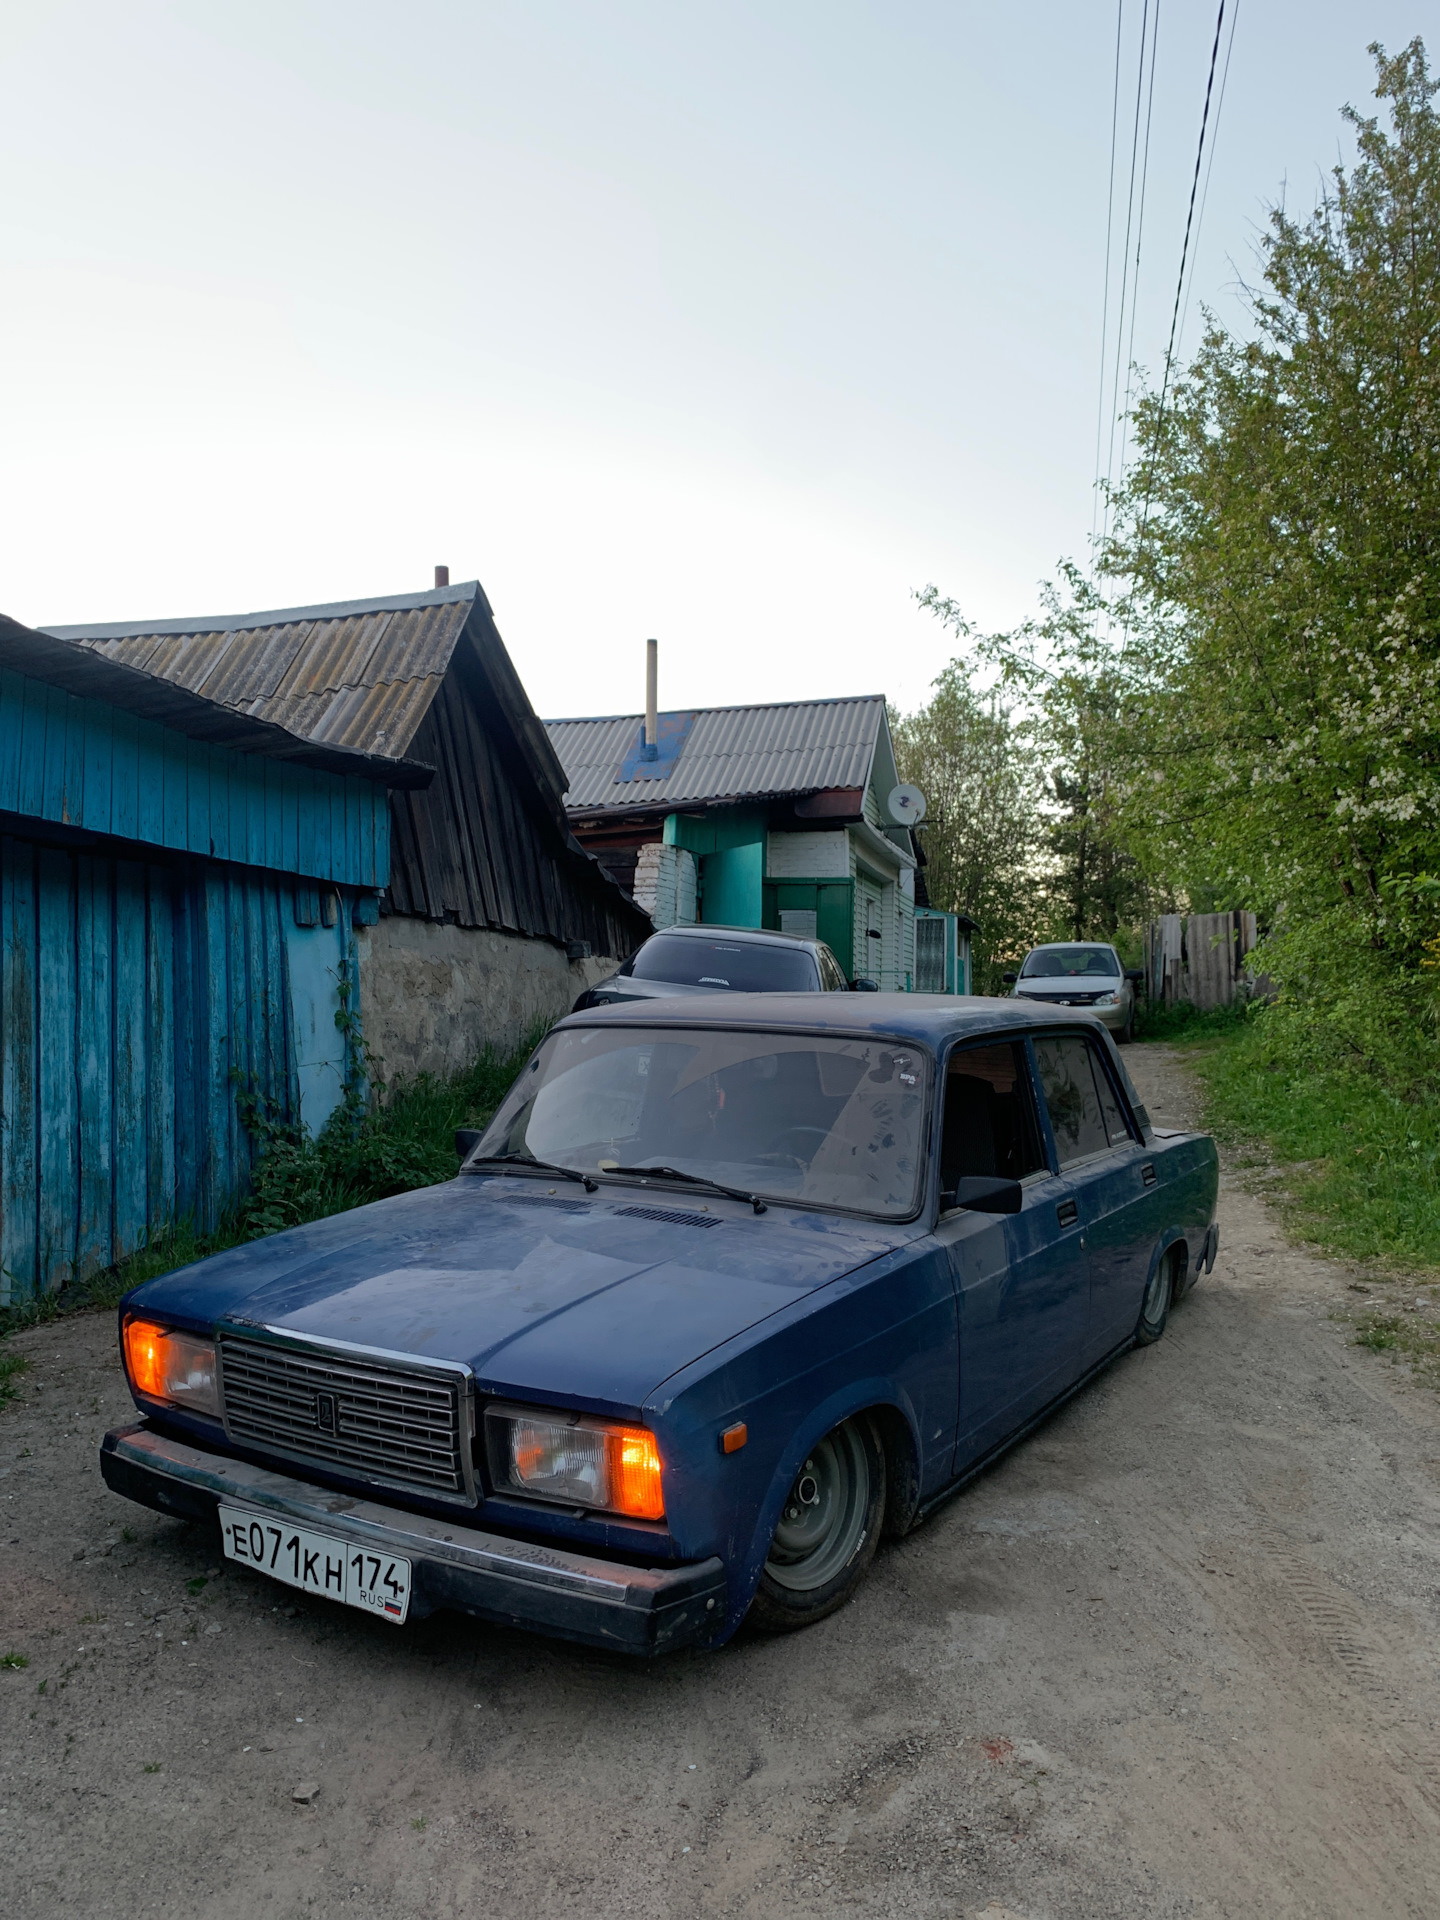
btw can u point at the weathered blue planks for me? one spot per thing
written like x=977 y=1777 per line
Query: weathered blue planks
x=131 y=995
x=80 y=763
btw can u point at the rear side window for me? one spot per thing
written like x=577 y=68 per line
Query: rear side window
x=1084 y=1112
x=832 y=980
x=989 y=1126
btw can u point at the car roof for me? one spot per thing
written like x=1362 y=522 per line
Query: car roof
x=931 y=1019
x=764 y=936
x=1054 y=946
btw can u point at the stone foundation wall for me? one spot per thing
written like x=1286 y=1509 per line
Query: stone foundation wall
x=432 y=996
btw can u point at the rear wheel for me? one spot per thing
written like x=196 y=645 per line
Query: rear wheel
x=828 y=1530
x=1155 y=1307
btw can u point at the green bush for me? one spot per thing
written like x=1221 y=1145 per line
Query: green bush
x=1348 y=1100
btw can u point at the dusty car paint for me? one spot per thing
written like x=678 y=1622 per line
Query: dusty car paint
x=962 y=1328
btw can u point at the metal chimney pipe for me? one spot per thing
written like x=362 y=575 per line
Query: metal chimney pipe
x=652 y=697
x=442 y=576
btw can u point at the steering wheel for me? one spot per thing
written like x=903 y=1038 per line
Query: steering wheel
x=801 y=1136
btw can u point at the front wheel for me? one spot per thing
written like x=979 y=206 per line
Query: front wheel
x=828 y=1530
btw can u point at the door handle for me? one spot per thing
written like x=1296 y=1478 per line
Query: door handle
x=1147 y=1174
x=1067 y=1213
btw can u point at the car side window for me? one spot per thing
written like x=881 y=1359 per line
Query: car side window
x=989 y=1126
x=1068 y=1079
x=1116 y=1125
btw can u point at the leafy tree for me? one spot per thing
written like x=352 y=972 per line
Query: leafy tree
x=975 y=763
x=1279 y=546
x=1081 y=882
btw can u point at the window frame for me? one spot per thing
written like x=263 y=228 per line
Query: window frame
x=1039 y=1120
x=1095 y=1048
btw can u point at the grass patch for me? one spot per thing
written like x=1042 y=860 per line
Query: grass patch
x=1362 y=1160
x=403 y=1139
x=12 y=1365
x=15 y=1661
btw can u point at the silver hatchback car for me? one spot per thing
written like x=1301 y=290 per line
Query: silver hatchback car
x=1080 y=973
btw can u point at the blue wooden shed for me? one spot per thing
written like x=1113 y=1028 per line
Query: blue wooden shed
x=179 y=883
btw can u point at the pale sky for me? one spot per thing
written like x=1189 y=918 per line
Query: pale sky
x=728 y=324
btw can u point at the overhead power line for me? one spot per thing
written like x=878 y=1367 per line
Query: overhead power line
x=1125 y=291
x=1185 y=246
x=1139 y=241
x=1190 y=214
x=1105 y=302
x=1209 y=169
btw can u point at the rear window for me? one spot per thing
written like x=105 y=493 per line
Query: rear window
x=1070 y=963
x=740 y=966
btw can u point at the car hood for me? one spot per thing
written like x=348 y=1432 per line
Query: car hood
x=586 y=1299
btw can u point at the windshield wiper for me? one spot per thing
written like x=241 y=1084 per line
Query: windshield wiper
x=691 y=1180
x=540 y=1166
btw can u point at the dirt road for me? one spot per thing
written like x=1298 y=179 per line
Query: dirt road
x=1176 y=1656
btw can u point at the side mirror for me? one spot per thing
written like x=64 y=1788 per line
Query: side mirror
x=1008 y=979
x=861 y=985
x=1135 y=975
x=466 y=1140
x=978 y=1193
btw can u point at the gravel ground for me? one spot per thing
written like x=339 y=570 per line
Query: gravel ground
x=1173 y=1657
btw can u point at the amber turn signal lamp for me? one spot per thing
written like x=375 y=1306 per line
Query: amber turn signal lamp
x=145 y=1357
x=635 y=1474
x=733 y=1438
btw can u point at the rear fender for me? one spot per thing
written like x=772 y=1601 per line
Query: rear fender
x=1165 y=1247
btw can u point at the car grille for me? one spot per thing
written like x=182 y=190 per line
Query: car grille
x=1068 y=999
x=406 y=1427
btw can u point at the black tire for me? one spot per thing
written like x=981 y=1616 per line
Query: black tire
x=1124 y=1039
x=828 y=1530
x=1159 y=1297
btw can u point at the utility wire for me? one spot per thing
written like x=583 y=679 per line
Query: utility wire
x=1139 y=242
x=1105 y=304
x=1209 y=169
x=1190 y=215
x=1185 y=250
x=1125 y=271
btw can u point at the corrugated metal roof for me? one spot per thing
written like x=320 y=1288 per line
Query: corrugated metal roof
x=358 y=673
x=731 y=753
x=81 y=670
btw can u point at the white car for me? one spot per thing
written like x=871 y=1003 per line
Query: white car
x=1080 y=973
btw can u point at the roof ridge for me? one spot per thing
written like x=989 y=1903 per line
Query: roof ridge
x=275 y=616
x=738 y=706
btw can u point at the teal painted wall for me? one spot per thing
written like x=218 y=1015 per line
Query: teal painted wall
x=80 y=763
x=729 y=847
x=732 y=886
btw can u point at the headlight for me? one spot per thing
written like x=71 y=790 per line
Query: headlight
x=577 y=1463
x=1108 y=1000
x=166 y=1365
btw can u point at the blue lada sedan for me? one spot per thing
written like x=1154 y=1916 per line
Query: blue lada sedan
x=728 y=1289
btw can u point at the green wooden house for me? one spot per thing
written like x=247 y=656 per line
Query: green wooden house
x=766 y=816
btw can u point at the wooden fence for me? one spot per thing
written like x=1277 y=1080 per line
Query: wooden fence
x=1199 y=958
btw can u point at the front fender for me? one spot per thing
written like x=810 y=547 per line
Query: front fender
x=859 y=1396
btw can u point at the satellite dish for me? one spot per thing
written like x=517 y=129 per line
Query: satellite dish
x=907 y=806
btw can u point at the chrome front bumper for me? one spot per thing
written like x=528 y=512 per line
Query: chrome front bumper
x=573 y=1595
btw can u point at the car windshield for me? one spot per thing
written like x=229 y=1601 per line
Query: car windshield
x=1053 y=963
x=744 y=966
x=824 y=1121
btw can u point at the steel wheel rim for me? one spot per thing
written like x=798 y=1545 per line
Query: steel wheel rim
x=823 y=1519
x=1155 y=1293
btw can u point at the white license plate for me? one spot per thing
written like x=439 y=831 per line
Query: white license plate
x=318 y=1562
